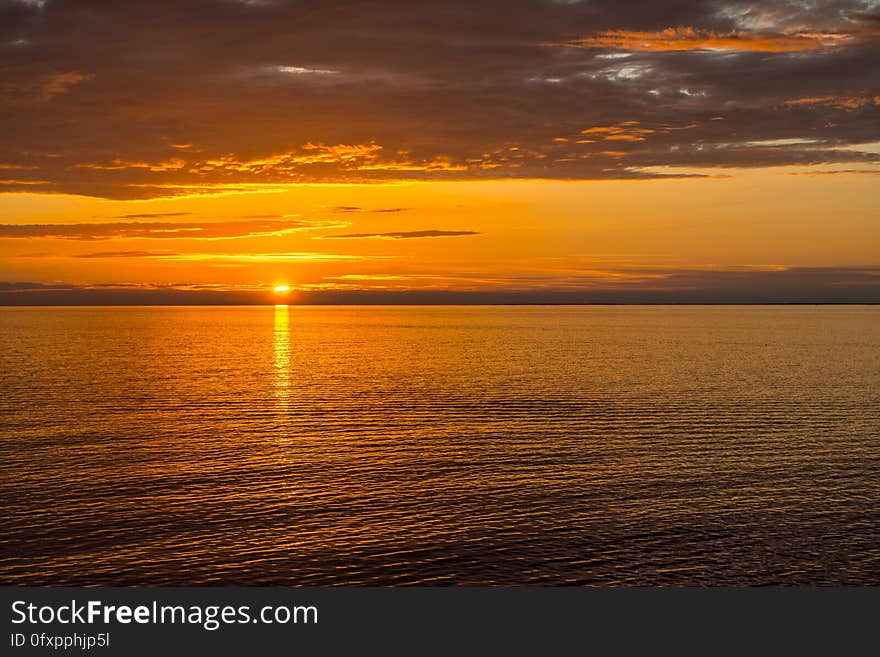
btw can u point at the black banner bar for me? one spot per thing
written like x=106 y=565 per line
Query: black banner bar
x=235 y=621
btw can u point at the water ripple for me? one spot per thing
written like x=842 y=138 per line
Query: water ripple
x=444 y=445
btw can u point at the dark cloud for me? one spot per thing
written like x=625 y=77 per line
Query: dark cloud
x=154 y=230
x=405 y=234
x=795 y=285
x=209 y=95
x=6 y=286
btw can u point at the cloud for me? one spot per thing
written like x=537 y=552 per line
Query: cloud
x=117 y=165
x=747 y=285
x=152 y=215
x=216 y=258
x=7 y=286
x=155 y=230
x=39 y=4
x=872 y=172
x=127 y=254
x=15 y=182
x=848 y=103
x=354 y=208
x=304 y=70
x=62 y=83
x=251 y=258
x=196 y=101
x=399 y=235
x=368 y=277
x=5 y=165
x=625 y=131
x=689 y=38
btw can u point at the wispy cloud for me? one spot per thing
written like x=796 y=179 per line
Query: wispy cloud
x=152 y=215
x=399 y=235
x=841 y=102
x=304 y=70
x=126 y=254
x=250 y=258
x=216 y=258
x=158 y=230
x=15 y=182
x=63 y=82
x=172 y=164
x=690 y=38
x=354 y=208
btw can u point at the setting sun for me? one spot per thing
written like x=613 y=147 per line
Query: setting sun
x=281 y=289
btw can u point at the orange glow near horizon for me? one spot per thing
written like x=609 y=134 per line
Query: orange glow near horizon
x=448 y=236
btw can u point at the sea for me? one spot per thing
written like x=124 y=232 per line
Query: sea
x=440 y=445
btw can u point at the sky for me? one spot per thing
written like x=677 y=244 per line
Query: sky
x=551 y=151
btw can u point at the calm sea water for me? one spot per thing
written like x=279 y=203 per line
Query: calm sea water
x=440 y=445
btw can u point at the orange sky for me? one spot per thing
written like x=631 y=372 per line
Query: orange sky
x=570 y=150
x=512 y=234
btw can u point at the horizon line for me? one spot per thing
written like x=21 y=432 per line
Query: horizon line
x=509 y=303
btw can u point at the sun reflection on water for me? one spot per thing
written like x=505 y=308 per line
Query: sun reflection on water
x=281 y=344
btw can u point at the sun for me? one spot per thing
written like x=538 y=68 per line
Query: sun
x=281 y=289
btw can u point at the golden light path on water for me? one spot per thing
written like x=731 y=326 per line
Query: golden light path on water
x=281 y=343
